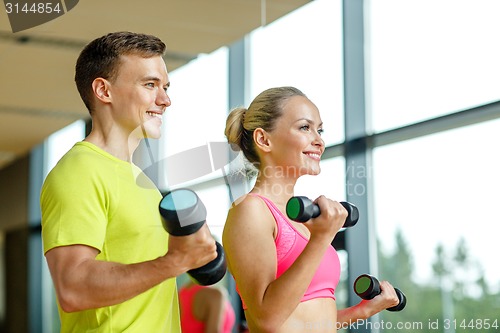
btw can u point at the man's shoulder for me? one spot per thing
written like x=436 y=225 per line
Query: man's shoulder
x=79 y=164
x=81 y=158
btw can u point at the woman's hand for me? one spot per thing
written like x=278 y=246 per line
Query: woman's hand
x=330 y=221
x=386 y=299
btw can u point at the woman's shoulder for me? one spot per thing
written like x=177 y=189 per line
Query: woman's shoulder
x=248 y=205
x=249 y=212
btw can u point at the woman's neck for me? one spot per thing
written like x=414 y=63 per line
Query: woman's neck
x=276 y=187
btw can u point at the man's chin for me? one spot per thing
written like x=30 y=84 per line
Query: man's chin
x=153 y=134
x=145 y=132
x=152 y=131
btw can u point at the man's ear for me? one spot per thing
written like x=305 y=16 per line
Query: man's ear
x=262 y=140
x=100 y=87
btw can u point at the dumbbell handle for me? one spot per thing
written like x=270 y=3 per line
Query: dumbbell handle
x=302 y=209
x=367 y=287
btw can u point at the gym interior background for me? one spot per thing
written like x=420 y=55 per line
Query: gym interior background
x=409 y=94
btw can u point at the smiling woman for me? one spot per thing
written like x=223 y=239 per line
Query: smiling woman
x=280 y=134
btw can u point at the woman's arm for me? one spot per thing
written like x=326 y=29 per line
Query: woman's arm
x=367 y=308
x=248 y=240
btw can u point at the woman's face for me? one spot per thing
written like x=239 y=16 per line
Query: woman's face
x=296 y=143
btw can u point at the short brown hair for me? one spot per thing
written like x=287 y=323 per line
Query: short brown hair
x=101 y=58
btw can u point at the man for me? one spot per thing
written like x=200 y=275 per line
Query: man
x=112 y=263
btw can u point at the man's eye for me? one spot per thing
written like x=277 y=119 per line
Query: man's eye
x=150 y=84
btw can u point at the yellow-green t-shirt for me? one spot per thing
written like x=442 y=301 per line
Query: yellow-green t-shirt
x=93 y=198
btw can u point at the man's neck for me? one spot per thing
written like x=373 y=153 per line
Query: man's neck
x=121 y=147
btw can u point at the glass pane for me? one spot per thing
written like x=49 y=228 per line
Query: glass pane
x=434 y=200
x=216 y=200
x=330 y=182
x=304 y=49
x=429 y=58
x=62 y=141
x=199 y=107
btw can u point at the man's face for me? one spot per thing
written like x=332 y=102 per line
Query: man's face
x=139 y=94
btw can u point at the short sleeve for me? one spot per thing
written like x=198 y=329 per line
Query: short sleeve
x=74 y=207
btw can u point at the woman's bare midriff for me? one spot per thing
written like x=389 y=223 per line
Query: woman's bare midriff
x=318 y=315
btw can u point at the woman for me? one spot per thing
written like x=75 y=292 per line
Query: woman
x=286 y=272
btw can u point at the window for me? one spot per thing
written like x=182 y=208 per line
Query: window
x=429 y=58
x=284 y=53
x=330 y=182
x=199 y=107
x=434 y=200
x=216 y=200
x=62 y=141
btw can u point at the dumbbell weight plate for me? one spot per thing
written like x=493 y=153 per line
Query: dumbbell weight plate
x=184 y=210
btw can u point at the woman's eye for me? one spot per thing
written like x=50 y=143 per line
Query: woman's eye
x=305 y=128
x=321 y=131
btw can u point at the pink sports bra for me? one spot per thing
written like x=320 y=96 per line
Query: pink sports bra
x=289 y=245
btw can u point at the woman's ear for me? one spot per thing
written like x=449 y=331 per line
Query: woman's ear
x=100 y=87
x=261 y=139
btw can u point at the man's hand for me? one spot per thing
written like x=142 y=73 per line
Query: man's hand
x=192 y=251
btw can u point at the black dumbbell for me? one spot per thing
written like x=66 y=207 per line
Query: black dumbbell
x=367 y=287
x=302 y=209
x=183 y=213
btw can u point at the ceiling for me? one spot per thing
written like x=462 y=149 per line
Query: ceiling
x=37 y=92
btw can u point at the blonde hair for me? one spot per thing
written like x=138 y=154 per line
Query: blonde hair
x=263 y=113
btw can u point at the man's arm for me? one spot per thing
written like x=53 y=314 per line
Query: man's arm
x=82 y=282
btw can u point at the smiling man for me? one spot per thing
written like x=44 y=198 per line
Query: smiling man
x=112 y=263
